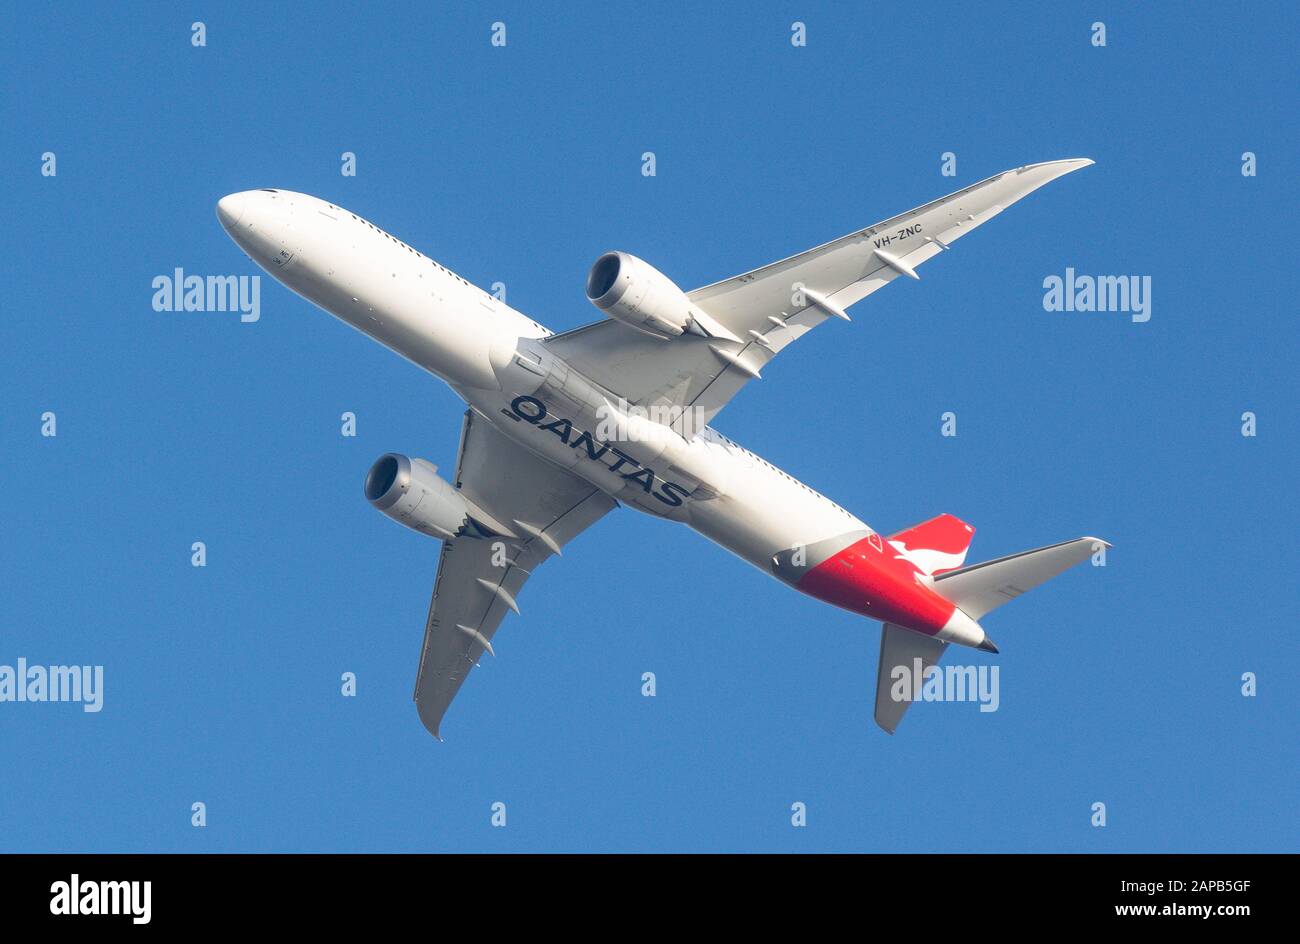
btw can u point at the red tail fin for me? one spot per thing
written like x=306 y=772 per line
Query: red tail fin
x=936 y=545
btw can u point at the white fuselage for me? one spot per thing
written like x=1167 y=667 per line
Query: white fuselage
x=492 y=357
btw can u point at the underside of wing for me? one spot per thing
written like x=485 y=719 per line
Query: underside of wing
x=540 y=508
x=770 y=307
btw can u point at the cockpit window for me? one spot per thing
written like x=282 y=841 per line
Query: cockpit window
x=265 y=190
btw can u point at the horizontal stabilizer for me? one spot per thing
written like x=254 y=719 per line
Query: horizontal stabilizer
x=980 y=588
x=899 y=650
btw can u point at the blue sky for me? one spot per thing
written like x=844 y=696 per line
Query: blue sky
x=521 y=164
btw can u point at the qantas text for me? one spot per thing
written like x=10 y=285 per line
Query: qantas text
x=533 y=410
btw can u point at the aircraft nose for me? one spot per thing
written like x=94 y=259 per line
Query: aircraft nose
x=230 y=209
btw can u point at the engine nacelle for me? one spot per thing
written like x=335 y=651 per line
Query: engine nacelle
x=634 y=292
x=411 y=492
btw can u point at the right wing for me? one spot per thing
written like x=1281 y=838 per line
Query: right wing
x=480 y=578
x=774 y=305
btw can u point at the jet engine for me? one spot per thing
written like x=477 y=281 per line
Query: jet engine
x=639 y=295
x=411 y=492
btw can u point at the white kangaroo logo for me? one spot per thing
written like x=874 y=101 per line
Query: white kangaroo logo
x=927 y=560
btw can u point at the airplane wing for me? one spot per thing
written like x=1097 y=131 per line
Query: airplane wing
x=770 y=307
x=479 y=579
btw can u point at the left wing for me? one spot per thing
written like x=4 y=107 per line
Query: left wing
x=770 y=307
x=479 y=579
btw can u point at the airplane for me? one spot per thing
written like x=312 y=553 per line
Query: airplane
x=563 y=428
